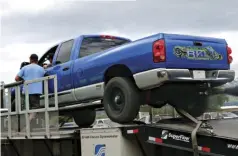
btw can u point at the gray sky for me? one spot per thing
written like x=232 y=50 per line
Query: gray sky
x=32 y=27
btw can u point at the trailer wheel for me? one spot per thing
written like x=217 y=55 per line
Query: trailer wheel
x=121 y=100
x=84 y=118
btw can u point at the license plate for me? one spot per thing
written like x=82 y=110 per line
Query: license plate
x=199 y=74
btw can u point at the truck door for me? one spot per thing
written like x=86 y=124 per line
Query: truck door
x=88 y=83
x=62 y=68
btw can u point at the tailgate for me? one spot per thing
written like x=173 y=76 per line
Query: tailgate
x=193 y=52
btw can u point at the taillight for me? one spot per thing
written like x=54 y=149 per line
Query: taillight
x=159 y=54
x=107 y=36
x=229 y=52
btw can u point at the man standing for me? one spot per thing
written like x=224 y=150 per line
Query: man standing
x=31 y=72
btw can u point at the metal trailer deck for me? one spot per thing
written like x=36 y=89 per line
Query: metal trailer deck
x=175 y=137
x=169 y=137
x=180 y=136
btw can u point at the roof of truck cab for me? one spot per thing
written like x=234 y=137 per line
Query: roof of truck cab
x=87 y=35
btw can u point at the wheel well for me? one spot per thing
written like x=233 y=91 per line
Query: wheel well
x=118 y=71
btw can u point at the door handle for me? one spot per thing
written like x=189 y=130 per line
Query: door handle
x=66 y=68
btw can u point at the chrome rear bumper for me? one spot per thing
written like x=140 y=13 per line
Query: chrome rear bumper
x=155 y=77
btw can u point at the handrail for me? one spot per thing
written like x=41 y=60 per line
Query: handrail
x=10 y=85
x=8 y=113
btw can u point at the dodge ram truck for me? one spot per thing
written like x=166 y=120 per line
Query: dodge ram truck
x=162 y=68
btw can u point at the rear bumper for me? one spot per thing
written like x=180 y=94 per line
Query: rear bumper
x=155 y=77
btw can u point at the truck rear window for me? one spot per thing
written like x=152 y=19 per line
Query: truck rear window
x=93 y=45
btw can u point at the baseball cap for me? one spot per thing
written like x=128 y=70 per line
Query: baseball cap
x=34 y=57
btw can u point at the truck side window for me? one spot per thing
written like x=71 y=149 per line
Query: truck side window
x=91 y=45
x=64 y=52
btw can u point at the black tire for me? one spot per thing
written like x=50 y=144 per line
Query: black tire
x=121 y=100
x=84 y=118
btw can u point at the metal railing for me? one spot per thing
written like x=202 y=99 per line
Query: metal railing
x=6 y=106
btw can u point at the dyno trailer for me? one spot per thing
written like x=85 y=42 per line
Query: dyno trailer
x=169 y=137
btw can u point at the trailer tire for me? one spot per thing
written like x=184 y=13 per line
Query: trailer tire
x=121 y=100
x=84 y=118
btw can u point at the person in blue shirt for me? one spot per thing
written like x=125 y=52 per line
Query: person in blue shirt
x=31 y=72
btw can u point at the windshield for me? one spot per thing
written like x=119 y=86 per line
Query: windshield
x=91 y=45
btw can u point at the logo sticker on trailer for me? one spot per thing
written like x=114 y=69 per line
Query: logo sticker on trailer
x=166 y=134
x=100 y=150
x=197 y=53
x=232 y=146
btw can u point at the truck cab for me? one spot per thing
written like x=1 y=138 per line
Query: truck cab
x=70 y=63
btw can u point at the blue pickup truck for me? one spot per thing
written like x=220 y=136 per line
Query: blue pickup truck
x=160 y=69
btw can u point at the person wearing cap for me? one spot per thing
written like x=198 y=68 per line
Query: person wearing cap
x=50 y=58
x=31 y=72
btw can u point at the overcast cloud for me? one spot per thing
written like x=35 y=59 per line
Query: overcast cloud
x=28 y=26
